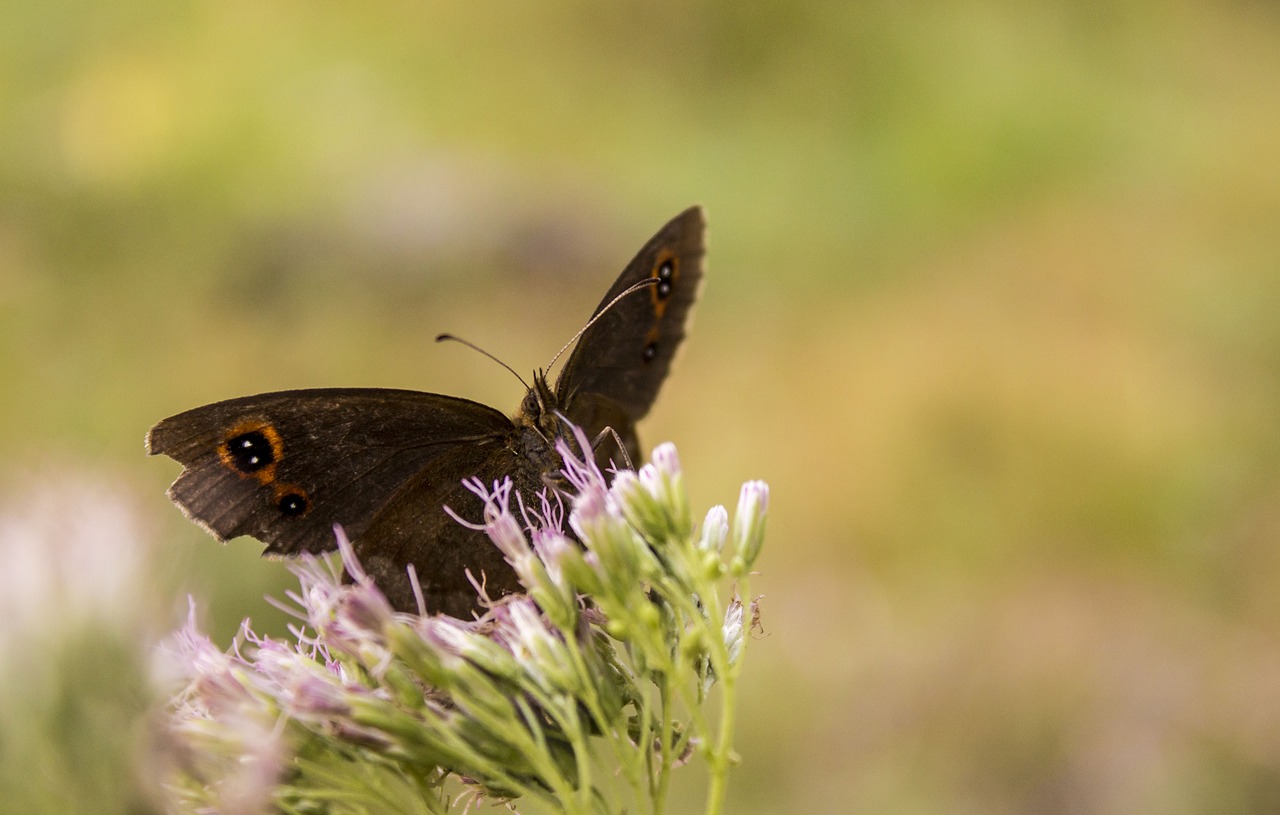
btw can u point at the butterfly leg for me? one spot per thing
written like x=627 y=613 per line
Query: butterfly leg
x=606 y=433
x=557 y=483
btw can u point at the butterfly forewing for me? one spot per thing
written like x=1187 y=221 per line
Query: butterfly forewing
x=626 y=354
x=284 y=467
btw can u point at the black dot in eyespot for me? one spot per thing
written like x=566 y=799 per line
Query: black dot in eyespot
x=664 y=290
x=250 y=451
x=650 y=351
x=292 y=504
x=666 y=270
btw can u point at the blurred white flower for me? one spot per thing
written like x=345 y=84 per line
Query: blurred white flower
x=74 y=553
x=76 y=601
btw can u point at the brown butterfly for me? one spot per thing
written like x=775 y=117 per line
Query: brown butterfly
x=285 y=467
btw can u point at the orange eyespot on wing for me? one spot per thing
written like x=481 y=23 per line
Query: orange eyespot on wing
x=666 y=270
x=252 y=449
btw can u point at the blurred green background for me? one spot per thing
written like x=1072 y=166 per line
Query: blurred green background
x=992 y=304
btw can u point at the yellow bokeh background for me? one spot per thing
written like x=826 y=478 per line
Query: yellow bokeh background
x=992 y=305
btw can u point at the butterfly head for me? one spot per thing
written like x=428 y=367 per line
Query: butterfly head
x=541 y=409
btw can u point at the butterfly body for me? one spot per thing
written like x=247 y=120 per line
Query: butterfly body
x=284 y=467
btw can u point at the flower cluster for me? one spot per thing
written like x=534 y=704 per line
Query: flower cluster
x=624 y=628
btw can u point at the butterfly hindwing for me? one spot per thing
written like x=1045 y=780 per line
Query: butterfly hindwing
x=284 y=467
x=413 y=528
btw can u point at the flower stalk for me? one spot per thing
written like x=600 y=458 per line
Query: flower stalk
x=582 y=695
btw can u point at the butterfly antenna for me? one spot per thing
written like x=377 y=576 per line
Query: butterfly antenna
x=474 y=347
x=643 y=284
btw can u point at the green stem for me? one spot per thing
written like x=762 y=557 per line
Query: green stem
x=663 y=781
x=582 y=755
x=591 y=699
x=727 y=675
x=644 y=740
x=534 y=744
x=719 y=759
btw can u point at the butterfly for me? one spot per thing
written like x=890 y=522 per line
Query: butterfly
x=284 y=467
